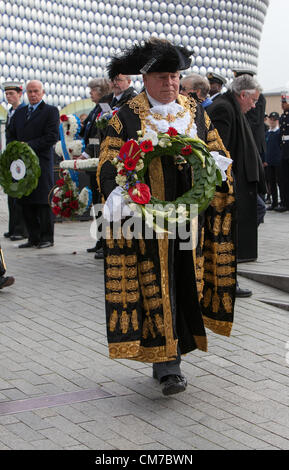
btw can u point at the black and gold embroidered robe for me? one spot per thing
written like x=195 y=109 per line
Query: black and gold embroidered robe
x=158 y=296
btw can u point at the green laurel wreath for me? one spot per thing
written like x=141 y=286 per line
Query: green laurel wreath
x=19 y=151
x=206 y=175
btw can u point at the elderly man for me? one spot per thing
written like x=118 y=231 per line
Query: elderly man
x=158 y=297
x=228 y=116
x=16 y=226
x=37 y=124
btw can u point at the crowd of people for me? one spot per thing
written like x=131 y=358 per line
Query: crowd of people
x=159 y=299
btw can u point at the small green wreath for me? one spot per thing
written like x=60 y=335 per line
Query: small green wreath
x=19 y=169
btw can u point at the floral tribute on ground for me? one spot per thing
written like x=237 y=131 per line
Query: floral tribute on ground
x=66 y=201
x=133 y=161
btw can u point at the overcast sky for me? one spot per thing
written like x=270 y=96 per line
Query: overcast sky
x=273 y=63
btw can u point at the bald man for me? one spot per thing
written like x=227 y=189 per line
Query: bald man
x=38 y=125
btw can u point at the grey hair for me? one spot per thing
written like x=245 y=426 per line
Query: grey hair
x=245 y=82
x=197 y=82
x=103 y=84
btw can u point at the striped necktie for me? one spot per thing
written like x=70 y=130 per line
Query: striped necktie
x=29 y=112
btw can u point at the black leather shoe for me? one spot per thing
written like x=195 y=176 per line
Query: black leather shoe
x=45 y=244
x=99 y=254
x=27 y=245
x=281 y=209
x=172 y=384
x=14 y=238
x=6 y=234
x=6 y=281
x=91 y=250
x=243 y=292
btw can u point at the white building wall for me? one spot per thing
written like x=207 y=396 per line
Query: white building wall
x=64 y=43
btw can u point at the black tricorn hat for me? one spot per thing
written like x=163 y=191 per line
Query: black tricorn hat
x=155 y=55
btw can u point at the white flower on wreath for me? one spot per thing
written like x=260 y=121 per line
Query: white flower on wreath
x=152 y=136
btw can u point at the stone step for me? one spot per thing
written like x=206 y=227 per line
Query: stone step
x=276 y=303
x=278 y=281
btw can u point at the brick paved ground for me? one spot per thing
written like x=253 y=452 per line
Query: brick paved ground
x=53 y=343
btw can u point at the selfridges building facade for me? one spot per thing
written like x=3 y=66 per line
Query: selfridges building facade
x=64 y=43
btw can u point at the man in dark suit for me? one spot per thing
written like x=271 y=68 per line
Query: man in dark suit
x=227 y=113
x=16 y=225
x=38 y=125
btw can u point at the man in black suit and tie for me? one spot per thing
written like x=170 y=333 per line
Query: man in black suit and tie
x=16 y=226
x=38 y=125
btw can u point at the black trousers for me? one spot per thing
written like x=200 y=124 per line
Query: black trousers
x=39 y=222
x=285 y=182
x=16 y=219
x=274 y=174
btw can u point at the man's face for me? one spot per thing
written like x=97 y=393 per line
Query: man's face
x=34 y=92
x=248 y=99
x=285 y=106
x=215 y=87
x=13 y=97
x=119 y=84
x=162 y=86
x=273 y=123
x=95 y=94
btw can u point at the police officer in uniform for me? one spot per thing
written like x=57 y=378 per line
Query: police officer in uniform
x=16 y=226
x=284 y=135
x=217 y=81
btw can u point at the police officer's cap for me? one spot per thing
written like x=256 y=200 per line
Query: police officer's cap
x=216 y=77
x=240 y=71
x=12 y=85
x=274 y=115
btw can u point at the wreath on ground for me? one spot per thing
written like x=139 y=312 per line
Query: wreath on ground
x=66 y=201
x=19 y=169
x=133 y=161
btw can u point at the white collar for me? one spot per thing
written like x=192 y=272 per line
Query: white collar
x=154 y=102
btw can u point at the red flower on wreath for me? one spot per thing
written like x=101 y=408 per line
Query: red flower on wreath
x=129 y=149
x=187 y=150
x=73 y=204
x=147 y=146
x=130 y=163
x=63 y=118
x=60 y=182
x=56 y=210
x=66 y=212
x=172 y=131
x=140 y=193
x=55 y=199
x=69 y=193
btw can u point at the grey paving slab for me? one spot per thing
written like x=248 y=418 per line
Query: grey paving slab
x=53 y=342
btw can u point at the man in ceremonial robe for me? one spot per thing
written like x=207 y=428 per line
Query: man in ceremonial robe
x=159 y=298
